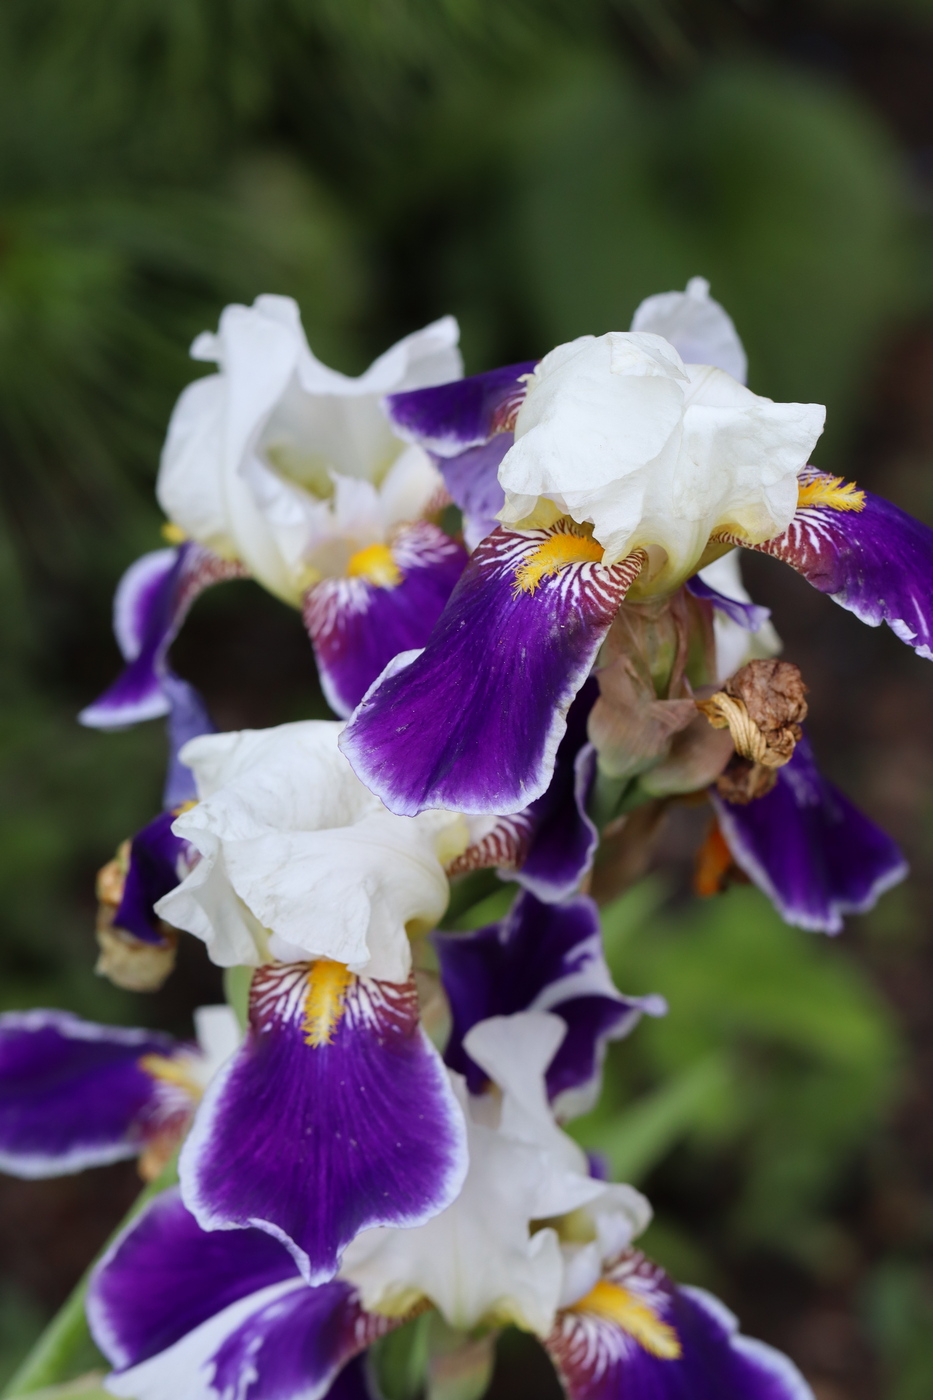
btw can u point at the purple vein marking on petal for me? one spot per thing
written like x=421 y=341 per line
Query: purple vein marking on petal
x=315 y=1143
x=155 y=856
x=149 y=609
x=751 y=616
x=472 y=480
x=72 y=1094
x=598 y=1359
x=357 y=627
x=810 y=849
x=541 y=957
x=163 y=1276
x=876 y=562
x=473 y=722
x=450 y=417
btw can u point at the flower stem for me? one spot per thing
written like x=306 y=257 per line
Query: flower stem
x=67 y=1334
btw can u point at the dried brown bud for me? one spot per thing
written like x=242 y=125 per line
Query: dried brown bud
x=742 y=781
x=763 y=706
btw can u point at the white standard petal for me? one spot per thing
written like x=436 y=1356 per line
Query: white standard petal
x=700 y=330
x=619 y=433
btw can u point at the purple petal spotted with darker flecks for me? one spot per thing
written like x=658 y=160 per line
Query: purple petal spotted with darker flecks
x=542 y=957
x=876 y=562
x=447 y=418
x=73 y=1094
x=151 y=602
x=472 y=481
x=811 y=851
x=641 y=1336
x=748 y=615
x=357 y=627
x=335 y=1115
x=157 y=863
x=473 y=722
x=164 y=1276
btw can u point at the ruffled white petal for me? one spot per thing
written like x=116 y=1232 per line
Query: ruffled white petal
x=700 y=330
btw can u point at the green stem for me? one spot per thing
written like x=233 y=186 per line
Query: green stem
x=67 y=1333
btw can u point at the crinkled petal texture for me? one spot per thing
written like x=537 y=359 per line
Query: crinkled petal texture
x=158 y=860
x=466 y=426
x=336 y=1115
x=484 y=1258
x=357 y=626
x=186 y=1315
x=617 y=431
x=542 y=957
x=254 y=452
x=700 y=330
x=151 y=602
x=811 y=851
x=640 y=1336
x=73 y=1094
x=473 y=722
x=876 y=562
x=292 y=842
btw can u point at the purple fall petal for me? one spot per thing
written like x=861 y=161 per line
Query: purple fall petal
x=73 y=1094
x=542 y=957
x=151 y=602
x=187 y=719
x=748 y=615
x=473 y=722
x=447 y=418
x=811 y=851
x=876 y=562
x=357 y=627
x=316 y=1136
x=163 y=1276
x=157 y=864
x=472 y=481
x=679 y=1344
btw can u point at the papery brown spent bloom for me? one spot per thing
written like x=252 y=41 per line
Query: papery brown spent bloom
x=126 y=960
x=763 y=706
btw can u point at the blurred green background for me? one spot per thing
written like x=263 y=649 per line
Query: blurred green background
x=536 y=167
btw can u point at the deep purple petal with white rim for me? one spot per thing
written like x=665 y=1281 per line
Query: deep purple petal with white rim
x=810 y=849
x=357 y=627
x=876 y=562
x=563 y=838
x=541 y=957
x=73 y=1094
x=315 y=1142
x=680 y=1344
x=472 y=481
x=156 y=865
x=151 y=602
x=473 y=722
x=748 y=615
x=164 y=1276
x=465 y=413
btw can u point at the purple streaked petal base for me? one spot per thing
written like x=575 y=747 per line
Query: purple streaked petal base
x=448 y=418
x=73 y=1094
x=809 y=849
x=542 y=957
x=876 y=562
x=751 y=616
x=357 y=627
x=473 y=722
x=151 y=602
x=683 y=1345
x=187 y=1313
x=156 y=865
x=315 y=1140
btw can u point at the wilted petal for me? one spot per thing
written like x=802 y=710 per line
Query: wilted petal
x=640 y=1336
x=335 y=1115
x=473 y=722
x=811 y=851
x=448 y=418
x=74 y=1094
x=872 y=559
x=542 y=957
x=151 y=602
x=358 y=626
